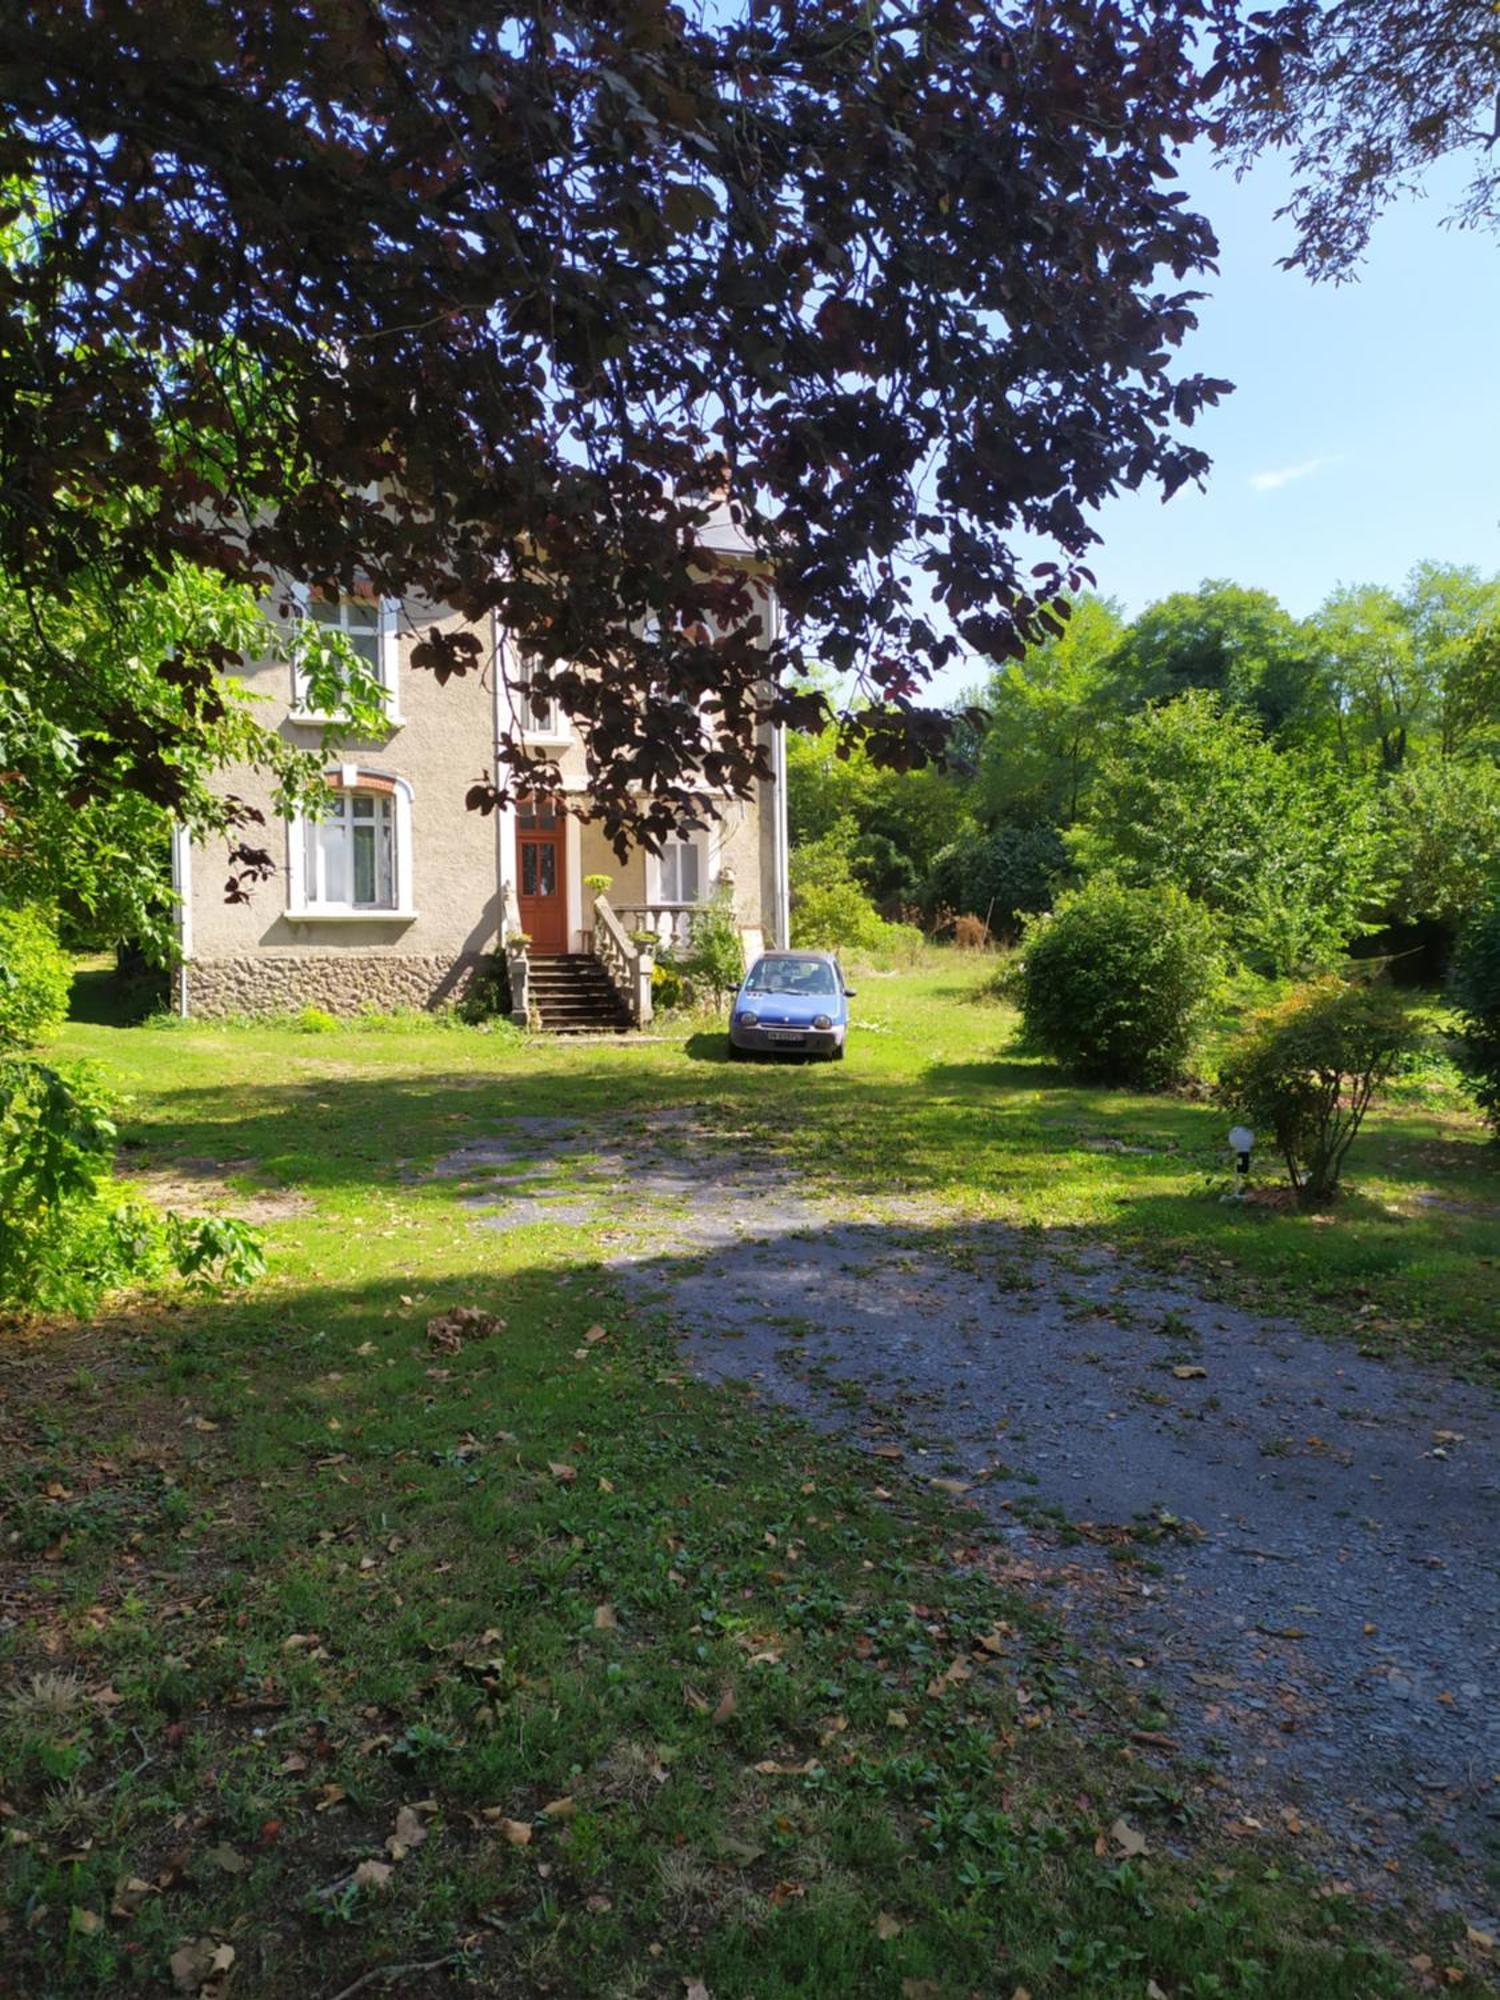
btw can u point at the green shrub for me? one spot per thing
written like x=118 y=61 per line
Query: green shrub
x=34 y=978
x=487 y=995
x=668 y=987
x=1116 y=982
x=715 y=958
x=314 y=1021
x=68 y=1233
x=830 y=910
x=1000 y=877
x=1474 y=986
x=1305 y=1071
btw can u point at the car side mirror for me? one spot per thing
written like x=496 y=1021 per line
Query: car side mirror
x=848 y=992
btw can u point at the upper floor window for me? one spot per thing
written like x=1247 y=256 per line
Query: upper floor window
x=368 y=626
x=538 y=715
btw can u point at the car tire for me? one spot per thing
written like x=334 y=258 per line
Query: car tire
x=736 y=1053
x=836 y=1053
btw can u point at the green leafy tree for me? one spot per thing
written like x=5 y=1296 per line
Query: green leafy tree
x=1474 y=987
x=1454 y=616
x=1239 y=644
x=1417 y=669
x=1050 y=716
x=86 y=806
x=1002 y=876
x=1382 y=696
x=34 y=977
x=901 y=818
x=1192 y=794
x=1440 y=841
x=830 y=908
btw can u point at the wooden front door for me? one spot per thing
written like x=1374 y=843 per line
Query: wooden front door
x=540 y=871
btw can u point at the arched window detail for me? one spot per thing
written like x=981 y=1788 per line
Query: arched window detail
x=355 y=860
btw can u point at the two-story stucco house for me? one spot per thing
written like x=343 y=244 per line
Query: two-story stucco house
x=394 y=896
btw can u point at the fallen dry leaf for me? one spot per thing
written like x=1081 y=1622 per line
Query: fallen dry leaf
x=559 y=1809
x=373 y=1875
x=953 y=1486
x=223 y=1856
x=448 y=1331
x=887 y=1451
x=921 y=1989
x=130 y=1893
x=193 y=1964
x=409 y=1833
x=787 y=1892
x=694 y=1989
x=1190 y=1372
x=87 y=1923
x=887 y=1926
x=562 y=1473
x=595 y=1333
x=726 y=1706
x=896 y=1718
x=1129 y=1839
x=605 y=1619
x=515 y=1832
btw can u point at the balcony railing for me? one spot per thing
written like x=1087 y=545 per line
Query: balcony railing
x=669 y=923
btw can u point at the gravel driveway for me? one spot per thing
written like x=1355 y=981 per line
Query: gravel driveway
x=1299 y=1546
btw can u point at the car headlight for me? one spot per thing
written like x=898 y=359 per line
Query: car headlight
x=748 y=1020
x=821 y=1021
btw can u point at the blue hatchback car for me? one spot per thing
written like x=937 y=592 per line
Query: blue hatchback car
x=792 y=1003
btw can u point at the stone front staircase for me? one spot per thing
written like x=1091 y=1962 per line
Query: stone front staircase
x=573 y=994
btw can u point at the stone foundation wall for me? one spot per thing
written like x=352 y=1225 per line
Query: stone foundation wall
x=340 y=982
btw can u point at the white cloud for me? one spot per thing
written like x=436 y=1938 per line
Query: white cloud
x=1283 y=475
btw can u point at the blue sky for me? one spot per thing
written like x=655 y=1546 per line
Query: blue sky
x=1364 y=433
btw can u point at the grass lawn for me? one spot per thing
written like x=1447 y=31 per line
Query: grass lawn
x=538 y=1668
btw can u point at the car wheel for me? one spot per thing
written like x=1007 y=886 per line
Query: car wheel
x=838 y=1052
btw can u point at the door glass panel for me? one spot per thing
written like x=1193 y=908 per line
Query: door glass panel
x=547 y=856
x=528 y=868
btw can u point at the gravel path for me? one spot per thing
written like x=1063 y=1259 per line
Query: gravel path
x=1310 y=1538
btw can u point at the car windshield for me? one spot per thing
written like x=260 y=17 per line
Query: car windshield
x=792 y=975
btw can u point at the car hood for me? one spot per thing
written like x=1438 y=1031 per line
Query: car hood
x=792 y=1010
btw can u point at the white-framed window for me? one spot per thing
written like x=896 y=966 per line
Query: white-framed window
x=681 y=870
x=355 y=860
x=539 y=717
x=370 y=624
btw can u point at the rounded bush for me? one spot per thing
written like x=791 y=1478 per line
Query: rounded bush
x=1305 y=1071
x=1116 y=982
x=1474 y=987
x=34 y=977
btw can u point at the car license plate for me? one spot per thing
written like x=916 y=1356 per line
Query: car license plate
x=783 y=1035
